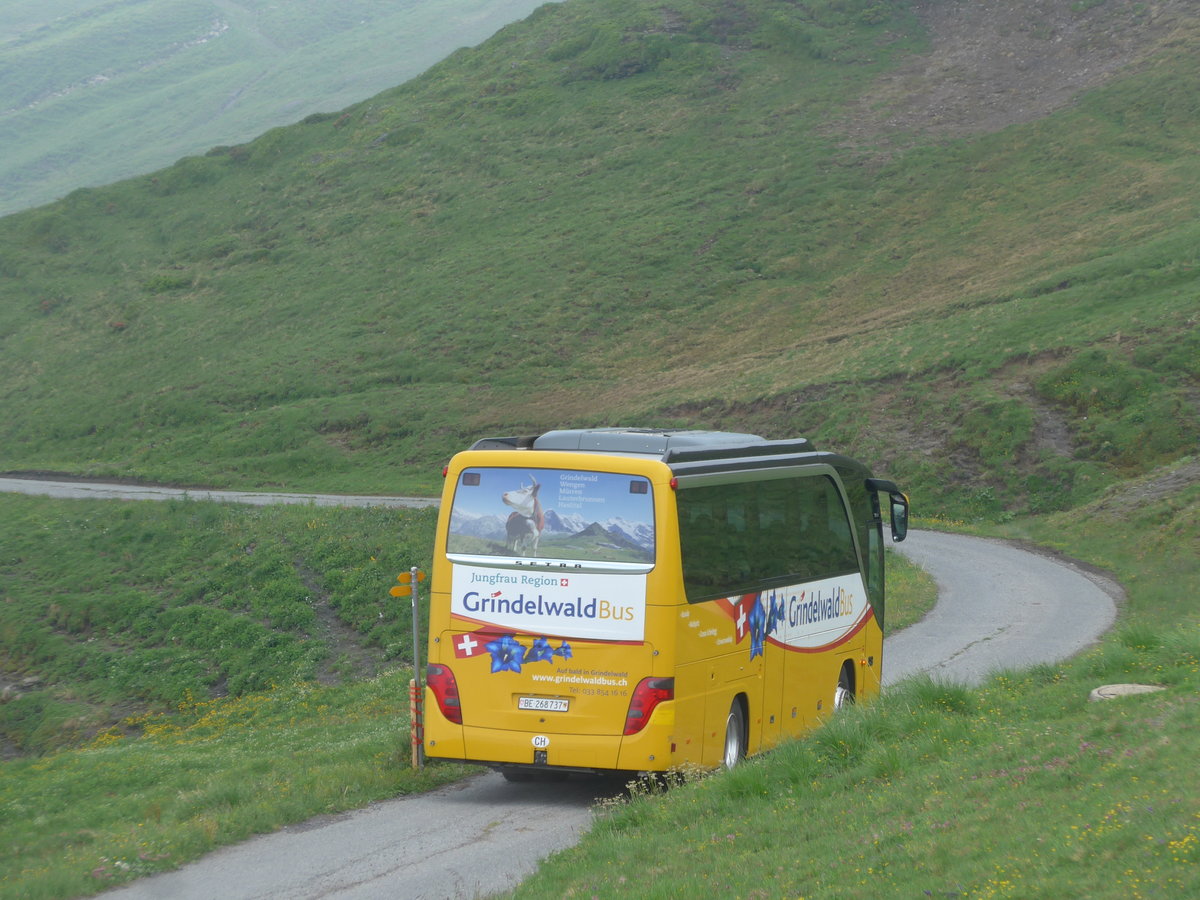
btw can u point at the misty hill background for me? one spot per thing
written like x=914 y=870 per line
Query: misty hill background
x=957 y=240
x=96 y=90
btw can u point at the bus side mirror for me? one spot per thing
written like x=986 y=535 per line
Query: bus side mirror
x=899 y=504
x=899 y=517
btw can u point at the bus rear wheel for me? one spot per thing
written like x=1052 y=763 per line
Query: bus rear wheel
x=735 y=736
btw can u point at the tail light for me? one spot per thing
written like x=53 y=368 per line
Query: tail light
x=445 y=690
x=648 y=694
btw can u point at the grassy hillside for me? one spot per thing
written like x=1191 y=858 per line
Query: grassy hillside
x=611 y=213
x=116 y=608
x=967 y=256
x=96 y=90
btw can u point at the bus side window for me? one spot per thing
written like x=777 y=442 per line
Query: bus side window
x=742 y=537
x=826 y=537
x=875 y=571
x=712 y=541
x=740 y=553
x=779 y=523
x=699 y=531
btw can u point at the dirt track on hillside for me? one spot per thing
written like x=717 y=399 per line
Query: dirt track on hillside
x=995 y=63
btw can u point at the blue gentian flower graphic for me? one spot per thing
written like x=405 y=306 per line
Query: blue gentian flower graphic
x=506 y=654
x=564 y=651
x=775 y=613
x=541 y=651
x=758 y=621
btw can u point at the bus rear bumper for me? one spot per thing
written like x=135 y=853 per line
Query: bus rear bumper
x=644 y=752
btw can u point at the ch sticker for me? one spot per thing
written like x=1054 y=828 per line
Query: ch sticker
x=540 y=742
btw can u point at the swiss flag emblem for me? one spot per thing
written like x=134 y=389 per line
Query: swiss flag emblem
x=738 y=609
x=467 y=645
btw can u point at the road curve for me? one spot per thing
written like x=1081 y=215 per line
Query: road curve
x=999 y=606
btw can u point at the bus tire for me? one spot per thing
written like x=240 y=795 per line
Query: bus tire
x=735 y=736
x=843 y=694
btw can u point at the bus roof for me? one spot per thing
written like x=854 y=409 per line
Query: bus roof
x=669 y=445
x=688 y=452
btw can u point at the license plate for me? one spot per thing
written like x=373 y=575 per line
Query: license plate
x=543 y=704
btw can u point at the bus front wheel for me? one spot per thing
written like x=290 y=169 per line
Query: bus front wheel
x=735 y=736
x=843 y=694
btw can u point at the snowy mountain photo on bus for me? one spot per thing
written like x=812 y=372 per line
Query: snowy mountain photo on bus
x=554 y=514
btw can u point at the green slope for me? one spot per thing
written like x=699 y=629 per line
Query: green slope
x=728 y=215
x=96 y=90
x=615 y=213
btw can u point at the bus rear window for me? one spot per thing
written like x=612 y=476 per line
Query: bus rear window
x=552 y=514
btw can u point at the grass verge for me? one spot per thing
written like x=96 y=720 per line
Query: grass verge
x=910 y=590
x=207 y=774
x=1021 y=789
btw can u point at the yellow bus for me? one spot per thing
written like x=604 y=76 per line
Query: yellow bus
x=636 y=600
